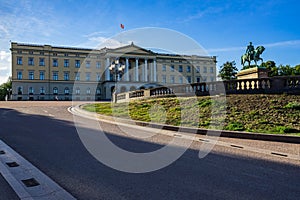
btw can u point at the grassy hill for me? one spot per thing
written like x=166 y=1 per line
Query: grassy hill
x=277 y=114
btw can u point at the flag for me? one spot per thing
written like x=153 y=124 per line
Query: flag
x=122 y=26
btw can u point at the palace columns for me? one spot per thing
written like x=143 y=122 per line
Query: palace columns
x=107 y=72
x=126 y=70
x=154 y=71
x=146 y=71
x=136 y=69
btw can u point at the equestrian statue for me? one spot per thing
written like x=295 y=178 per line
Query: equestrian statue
x=252 y=54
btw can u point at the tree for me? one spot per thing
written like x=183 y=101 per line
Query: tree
x=297 y=69
x=5 y=89
x=228 y=71
x=271 y=67
x=286 y=70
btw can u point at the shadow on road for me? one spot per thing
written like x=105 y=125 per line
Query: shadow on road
x=54 y=147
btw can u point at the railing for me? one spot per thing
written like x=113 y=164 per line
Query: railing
x=274 y=85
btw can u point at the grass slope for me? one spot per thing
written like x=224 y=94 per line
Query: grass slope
x=277 y=114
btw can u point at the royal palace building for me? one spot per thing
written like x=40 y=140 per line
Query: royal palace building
x=45 y=72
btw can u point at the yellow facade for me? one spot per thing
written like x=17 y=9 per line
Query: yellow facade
x=44 y=72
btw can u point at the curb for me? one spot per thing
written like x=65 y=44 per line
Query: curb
x=216 y=133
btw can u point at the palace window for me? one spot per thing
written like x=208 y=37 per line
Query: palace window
x=211 y=70
x=77 y=76
x=189 y=79
x=31 y=75
x=66 y=63
x=198 y=69
x=88 y=76
x=180 y=69
x=188 y=69
x=55 y=90
x=77 y=91
x=98 y=91
x=77 y=63
x=88 y=91
x=42 y=62
x=172 y=68
x=66 y=76
x=88 y=64
x=172 y=79
x=42 y=75
x=164 y=78
x=31 y=61
x=19 y=75
x=19 y=61
x=67 y=91
x=20 y=90
x=163 y=68
x=42 y=90
x=55 y=62
x=98 y=77
x=180 y=79
x=198 y=79
x=98 y=65
x=31 y=90
x=55 y=76
x=204 y=69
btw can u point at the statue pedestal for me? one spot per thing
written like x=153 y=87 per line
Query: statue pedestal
x=252 y=73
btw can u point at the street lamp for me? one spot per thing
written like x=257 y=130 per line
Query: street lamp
x=117 y=69
x=9 y=94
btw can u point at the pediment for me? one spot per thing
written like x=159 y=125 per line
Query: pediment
x=131 y=50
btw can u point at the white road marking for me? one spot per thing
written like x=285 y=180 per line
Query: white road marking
x=47 y=188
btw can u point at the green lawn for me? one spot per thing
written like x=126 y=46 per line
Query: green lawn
x=276 y=114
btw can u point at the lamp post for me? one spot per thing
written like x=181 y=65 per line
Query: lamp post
x=9 y=94
x=117 y=69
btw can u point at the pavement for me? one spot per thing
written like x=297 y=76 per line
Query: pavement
x=45 y=135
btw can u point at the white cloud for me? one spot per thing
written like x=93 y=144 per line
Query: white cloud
x=4 y=55
x=95 y=40
x=269 y=45
x=200 y=14
x=228 y=49
x=283 y=43
x=5 y=66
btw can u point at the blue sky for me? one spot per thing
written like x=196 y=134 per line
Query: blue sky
x=223 y=28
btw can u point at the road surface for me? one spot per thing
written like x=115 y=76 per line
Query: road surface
x=44 y=133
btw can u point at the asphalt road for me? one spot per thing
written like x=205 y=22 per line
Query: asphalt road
x=44 y=133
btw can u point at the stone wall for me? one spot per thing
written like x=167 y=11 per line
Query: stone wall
x=274 y=85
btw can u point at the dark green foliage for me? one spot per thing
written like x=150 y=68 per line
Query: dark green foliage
x=5 y=89
x=271 y=66
x=228 y=71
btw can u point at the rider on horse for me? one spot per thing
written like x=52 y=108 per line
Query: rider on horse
x=250 y=51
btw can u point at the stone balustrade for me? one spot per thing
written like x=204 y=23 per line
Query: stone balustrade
x=274 y=85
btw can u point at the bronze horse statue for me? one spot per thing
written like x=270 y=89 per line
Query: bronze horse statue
x=254 y=56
